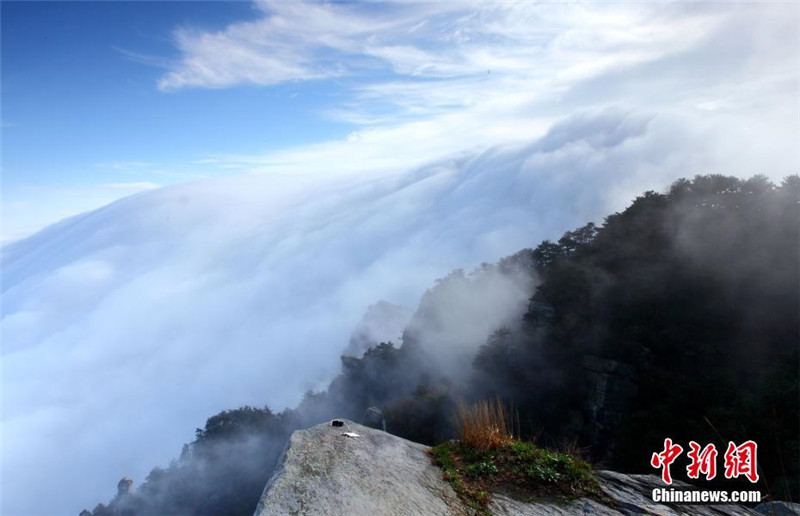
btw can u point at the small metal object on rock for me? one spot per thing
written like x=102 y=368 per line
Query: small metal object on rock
x=350 y=434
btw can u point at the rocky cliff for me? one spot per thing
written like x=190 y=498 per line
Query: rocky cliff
x=343 y=468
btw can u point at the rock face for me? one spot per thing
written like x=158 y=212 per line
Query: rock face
x=779 y=508
x=352 y=470
x=611 y=387
x=631 y=494
x=343 y=468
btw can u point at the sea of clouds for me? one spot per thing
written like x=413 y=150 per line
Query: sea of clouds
x=126 y=327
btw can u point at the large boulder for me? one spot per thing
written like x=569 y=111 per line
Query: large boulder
x=352 y=469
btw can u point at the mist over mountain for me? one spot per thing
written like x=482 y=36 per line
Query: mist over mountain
x=622 y=326
x=382 y=322
x=155 y=311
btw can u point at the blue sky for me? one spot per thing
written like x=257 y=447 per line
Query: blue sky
x=74 y=82
x=71 y=79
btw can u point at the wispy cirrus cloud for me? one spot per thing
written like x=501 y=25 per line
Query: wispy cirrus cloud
x=298 y=41
x=124 y=165
x=292 y=41
x=446 y=76
x=134 y=186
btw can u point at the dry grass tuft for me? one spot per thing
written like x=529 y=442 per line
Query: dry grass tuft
x=485 y=425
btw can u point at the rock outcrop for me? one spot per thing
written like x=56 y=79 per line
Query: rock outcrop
x=343 y=468
x=351 y=469
x=610 y=390
x=779 y=508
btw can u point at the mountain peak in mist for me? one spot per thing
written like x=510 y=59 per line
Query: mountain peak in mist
x=382 y=322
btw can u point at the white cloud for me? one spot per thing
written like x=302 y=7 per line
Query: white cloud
x=28 y=210
x=467 y=76
x=124 y=165
x=293 y=41
x=551 y=45
x=135 y=186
